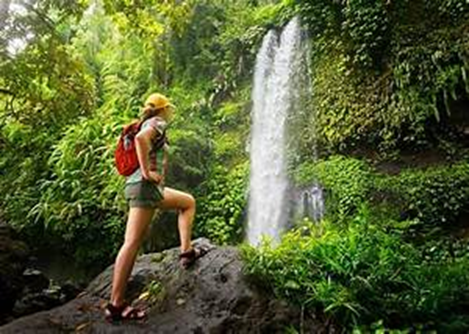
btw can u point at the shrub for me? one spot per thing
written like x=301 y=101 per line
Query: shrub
x=361 y=274
x=223 y=205
x=82 y=199
x=347 y=182
x=436 y=195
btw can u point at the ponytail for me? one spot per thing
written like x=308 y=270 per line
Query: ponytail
x=149 y=111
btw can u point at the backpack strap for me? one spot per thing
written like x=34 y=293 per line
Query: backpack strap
x=132 y=129
x=159 y=143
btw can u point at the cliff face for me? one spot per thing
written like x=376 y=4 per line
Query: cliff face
x=212 y=297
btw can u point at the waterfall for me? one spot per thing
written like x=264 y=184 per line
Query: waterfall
x=309 y=202
x=272 y=100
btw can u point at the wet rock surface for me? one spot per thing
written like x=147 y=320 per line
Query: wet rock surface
x=41 y=294
x=211 y=297
x=13 y=259
x=25 y=290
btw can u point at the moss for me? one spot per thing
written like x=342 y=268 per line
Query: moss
x=158 y=257
x=385 y=75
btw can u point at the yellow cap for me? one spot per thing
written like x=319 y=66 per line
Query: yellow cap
x=158 y=101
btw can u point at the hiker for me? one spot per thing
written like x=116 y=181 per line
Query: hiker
x=145 y=191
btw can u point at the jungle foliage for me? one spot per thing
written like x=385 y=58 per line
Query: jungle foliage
x=388 y=78
x=434 y=196
x=82 y=71
x=363 y=273
x=385 y=73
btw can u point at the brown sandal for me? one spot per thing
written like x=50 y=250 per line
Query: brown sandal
x=189 y=257
x=123 y=312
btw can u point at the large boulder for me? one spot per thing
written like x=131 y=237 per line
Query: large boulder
x=13 y=259
x=212 y=297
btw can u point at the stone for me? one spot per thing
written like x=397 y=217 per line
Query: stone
x=34 y=281
x=218 y=298
x=38 y=301
x=33 y=299
x=70 y=290
x=13 y=259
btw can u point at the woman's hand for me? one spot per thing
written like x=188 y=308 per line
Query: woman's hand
x=154 y=177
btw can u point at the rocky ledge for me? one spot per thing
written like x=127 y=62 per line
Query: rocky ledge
x=212 y=297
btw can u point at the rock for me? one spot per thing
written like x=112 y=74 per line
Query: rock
x=40 y=295
x=25 y=291
x=163 y=234
x=39 y=301
x=34 y=281
x=70 y=290
x=212 y=297
x=13 y=258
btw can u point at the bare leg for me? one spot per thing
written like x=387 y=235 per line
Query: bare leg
x=137 y=224
x=185 y=204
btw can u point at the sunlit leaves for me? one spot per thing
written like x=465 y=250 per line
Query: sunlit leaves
x=83 y=75
x=360 y=273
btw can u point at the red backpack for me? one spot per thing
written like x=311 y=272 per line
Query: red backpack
x=125 y=155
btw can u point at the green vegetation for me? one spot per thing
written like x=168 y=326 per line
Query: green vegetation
x=386 y=72
x=363 y=271
x=437 y=195
x=153 y=293
x=434 y=196
x=390 y=80
x=57 y=153
x=386 y=256
x=348 y=182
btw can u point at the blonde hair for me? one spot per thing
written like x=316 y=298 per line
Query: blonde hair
x=150 y=111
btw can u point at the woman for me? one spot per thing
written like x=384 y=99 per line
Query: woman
x=145 y=191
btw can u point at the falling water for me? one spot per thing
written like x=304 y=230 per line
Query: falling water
x=309 y=202
x=272 y=98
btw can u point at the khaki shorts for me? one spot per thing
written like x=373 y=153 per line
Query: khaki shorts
x=143 y=194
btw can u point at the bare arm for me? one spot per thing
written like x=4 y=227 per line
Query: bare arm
x=143 y=145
